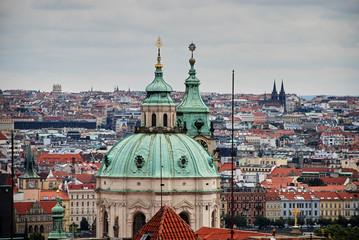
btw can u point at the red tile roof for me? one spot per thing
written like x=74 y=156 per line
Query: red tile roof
x=48 y=205
x=2 y=136
x=331 y=196
x=283 y=172
x=224 y=234
x=52 y=159
x=86 y=178
x=327 y=188
x=52 y=195
x=81 y=186
x=334 y=181
x=307 y=196
x=166 y=224
x=22 y=207
x=226 y=167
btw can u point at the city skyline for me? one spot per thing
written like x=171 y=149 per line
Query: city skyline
x=312 y=46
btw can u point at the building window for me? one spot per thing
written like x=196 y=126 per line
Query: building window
x=153 y=120
x=165 y=120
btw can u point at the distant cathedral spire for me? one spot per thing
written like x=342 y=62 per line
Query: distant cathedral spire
x=282 y=97
x=274 y=96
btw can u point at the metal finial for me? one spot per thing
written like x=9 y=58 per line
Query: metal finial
x=192 y=48
x=159 y=42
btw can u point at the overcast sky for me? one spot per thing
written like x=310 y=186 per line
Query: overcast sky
x=311 y=45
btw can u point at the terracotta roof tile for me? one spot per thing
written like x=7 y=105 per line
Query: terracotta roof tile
x=223 y=233
x=166 y=224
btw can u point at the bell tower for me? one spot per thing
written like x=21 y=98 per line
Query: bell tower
x=29 y=181
x=192 y=113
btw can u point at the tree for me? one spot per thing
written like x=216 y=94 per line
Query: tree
x=290 y=221
x=261 y=221
x=300 y=221
x=37 y=236
x=324 y=221
x=227 y=220
x=342 y=221
x=279 y=222
x=240 y=221
x=310 y=222
x=84 y=224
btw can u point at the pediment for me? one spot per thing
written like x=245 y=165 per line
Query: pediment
x=139 y=204
x=183 y=204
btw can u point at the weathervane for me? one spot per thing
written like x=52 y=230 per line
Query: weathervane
x=192 y=47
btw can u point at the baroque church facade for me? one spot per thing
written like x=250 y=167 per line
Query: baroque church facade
x=168 y=160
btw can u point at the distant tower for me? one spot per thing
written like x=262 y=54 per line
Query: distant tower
x=56 y=88
x=265 y=97
x=91 y=89
x=282 y=97
x=274 y=97
x=29 y=180
x=57 y=230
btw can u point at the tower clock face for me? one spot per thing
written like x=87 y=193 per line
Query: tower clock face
x=31 y=185
x=203 y=143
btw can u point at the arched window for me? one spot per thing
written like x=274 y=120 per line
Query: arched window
x=105 y=223
x=153 y=120
x=165 y=120
x=184 y=216
x=144 y=118
x=42 y=229
x=138 y=221
x=212 y=220
x=30 y=229
x=36 y=228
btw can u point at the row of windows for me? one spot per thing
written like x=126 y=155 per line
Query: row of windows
x=331 y=205
x=273 y=205
x=245 y=198
x=77 y=219
x=302 y=213
x=330 y=213
x=83 y=196
x=82 y=211
x=300 y=205
x=82 y=204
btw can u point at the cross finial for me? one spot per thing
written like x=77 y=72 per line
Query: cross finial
x=159 y=42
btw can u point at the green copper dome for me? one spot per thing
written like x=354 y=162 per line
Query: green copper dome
x=140 y=155
x=58 y=209
x=158 y=91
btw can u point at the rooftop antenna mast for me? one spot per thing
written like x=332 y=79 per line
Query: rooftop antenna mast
x=232 y=189
x=159 y=45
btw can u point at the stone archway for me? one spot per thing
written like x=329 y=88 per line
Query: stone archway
x=36 y=228
x=42 y=229
x=138 y=221
x=185 y=217
x=30 y=229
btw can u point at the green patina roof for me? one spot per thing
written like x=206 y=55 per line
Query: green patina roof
x=192 y=109
x=29 y=166
x=58 y=209
x=158 y=91
x=192 y=101
x=140 y=155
